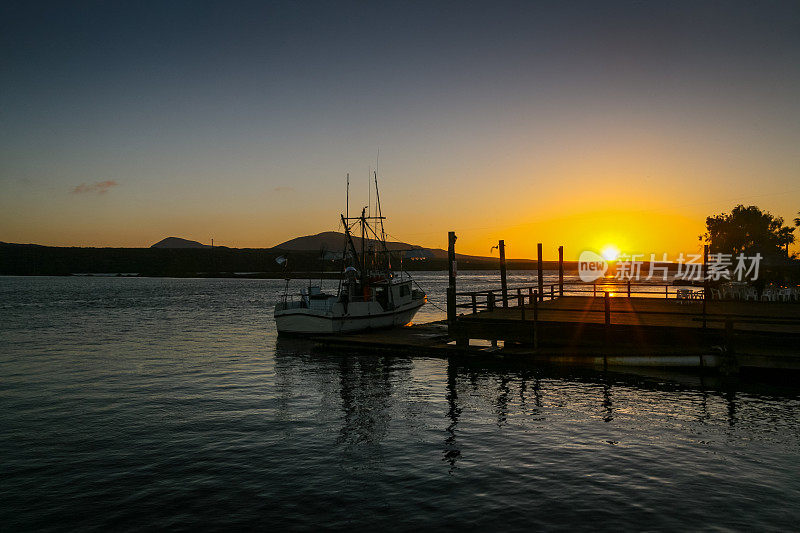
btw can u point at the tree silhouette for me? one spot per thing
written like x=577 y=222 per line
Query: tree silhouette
x=749 y=230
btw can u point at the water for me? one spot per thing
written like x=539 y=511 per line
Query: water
x=131 y=403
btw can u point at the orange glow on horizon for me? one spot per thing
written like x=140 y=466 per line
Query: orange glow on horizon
x=608 y=233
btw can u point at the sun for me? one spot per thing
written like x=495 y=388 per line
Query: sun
x=610 y=252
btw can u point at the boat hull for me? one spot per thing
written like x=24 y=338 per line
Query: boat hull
x=310 y=321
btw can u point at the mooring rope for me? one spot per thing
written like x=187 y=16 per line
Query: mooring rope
x=430 y=302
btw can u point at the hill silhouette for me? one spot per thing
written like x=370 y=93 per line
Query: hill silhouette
x=177 y=242
x=333 y=241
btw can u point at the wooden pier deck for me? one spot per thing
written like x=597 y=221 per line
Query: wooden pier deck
x=747 y=316
x=643 y=332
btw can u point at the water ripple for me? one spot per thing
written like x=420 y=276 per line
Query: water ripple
x=139 y=404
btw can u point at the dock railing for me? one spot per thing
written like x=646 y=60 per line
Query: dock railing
x=489 y=299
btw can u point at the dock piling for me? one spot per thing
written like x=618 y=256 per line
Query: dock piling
x=539 y=273
x=561 y=271
x=501 y=245
x=729 y=348
x=536 y=320
x=607 y=329
x=452 y=269
x=706 y=291
x=729 y=365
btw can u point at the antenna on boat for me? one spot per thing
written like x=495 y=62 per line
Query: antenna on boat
x=363 y=250
x=377 y=195
x=380 y=217
x=347 y=208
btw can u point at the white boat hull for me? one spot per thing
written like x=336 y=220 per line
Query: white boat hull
x=360 y=316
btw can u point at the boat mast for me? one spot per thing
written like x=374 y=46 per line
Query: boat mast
x=380 y=217
x=346 y=233
x=363 y=241
x=349 y=238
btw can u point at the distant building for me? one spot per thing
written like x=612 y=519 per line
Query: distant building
x=420 y=254
x=333 y=256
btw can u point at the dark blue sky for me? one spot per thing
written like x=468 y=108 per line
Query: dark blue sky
x=229 y=117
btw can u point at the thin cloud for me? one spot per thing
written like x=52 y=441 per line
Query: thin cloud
x=283 y=189
x=98 y=187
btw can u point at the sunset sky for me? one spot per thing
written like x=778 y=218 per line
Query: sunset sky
x=573 y=123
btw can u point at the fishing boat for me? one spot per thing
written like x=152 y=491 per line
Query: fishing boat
x=371 y=294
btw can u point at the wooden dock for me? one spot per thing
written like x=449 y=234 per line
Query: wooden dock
x=606 y=323
x=761 y=334
x=578 y=338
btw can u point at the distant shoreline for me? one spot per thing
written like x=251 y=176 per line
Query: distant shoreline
x=36 y=260
x=256 y=275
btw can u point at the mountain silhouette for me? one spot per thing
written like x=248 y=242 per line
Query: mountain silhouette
x=333 y=241
x=177 y=242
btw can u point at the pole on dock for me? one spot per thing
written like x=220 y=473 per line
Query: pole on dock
x=539 y=273
x=536 y=320
x=474 y=304
x=561 y=271
x=607 y=328
x=501 y=245
x=452 y=269
x=706 y=291
x=705 y=270
x=729 y=348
